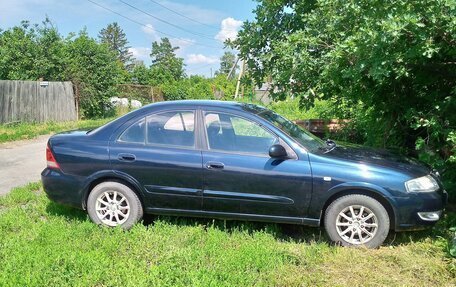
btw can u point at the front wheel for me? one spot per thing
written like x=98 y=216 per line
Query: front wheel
x=113 y=204
x=357 y=220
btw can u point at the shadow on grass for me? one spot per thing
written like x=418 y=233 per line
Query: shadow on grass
x=307 y=234
x=283 y=232
x=69 y=213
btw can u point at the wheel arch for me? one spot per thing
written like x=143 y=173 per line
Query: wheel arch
x=362 y=191
x=111 y=176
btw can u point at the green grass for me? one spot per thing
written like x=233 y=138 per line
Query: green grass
x=22 y=131
x=46 y=244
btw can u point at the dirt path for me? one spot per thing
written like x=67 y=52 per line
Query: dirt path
x=21 y=162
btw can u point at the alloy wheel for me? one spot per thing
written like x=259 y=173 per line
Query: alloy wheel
x=356 y=224
x=112 y=208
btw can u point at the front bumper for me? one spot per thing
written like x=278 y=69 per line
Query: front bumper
x=419 y=210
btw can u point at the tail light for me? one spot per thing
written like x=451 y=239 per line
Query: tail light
x=51 y=162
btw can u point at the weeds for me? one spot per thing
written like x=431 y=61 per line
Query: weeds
x=44 y=243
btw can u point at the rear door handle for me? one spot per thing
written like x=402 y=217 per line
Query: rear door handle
x=214 y=165
x=128 y=157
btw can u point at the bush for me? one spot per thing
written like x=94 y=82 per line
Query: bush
x=197 y=87
x=94 y=70
x=174 y=91
x=394 y=56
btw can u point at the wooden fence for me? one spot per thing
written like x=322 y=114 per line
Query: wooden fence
x=34 y=101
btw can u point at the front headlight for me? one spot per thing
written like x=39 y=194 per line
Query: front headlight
x=422 y=184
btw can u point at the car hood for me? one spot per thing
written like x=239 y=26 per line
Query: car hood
x=378 y=157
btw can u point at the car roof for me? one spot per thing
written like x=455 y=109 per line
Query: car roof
x=107 y=129
x=207 y=103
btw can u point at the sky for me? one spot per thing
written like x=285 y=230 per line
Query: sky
x=198 y=27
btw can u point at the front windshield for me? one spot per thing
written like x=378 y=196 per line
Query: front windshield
x=303 y=137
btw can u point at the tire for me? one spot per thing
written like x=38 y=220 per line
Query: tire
x=113 y=204
x=369 y=230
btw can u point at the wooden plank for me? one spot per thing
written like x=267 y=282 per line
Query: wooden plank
x=28 y=101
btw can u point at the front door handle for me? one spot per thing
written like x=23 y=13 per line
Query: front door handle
x=214 y=165
x=128 y=157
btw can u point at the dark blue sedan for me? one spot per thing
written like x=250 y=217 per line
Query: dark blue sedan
x=240 y=161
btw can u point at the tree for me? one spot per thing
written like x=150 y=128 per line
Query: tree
x=30 y=52
x=166 y=66
x=394 y=56
x=140 y=74
x=226 y=63
x=114 y=37
x=94 y=71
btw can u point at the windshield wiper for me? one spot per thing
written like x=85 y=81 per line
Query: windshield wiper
x=331 y=145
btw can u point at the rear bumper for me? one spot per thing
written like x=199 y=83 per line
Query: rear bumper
x=62 y=188
x=419 y=210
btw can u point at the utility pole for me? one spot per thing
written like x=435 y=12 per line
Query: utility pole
x=233 y=68
x=211 y=72
x=239 y=79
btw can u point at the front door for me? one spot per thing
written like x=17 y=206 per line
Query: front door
x=159 y=152
x=240 y=177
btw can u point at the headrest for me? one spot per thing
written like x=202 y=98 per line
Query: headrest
x=213 y=128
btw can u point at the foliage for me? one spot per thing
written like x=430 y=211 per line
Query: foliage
x=394 y=57
x=291 y=109
x=140 y=74
x=44 y=243
x=173 y=91
x=94 y=71
x=198 y=87
x=166 y=66
x=452 y=246
x=22 y=131
x=31 y=52
x=114 y=37
x=226 y=63
x=194 y=87
x=225 y=87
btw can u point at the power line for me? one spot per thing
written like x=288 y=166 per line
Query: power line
x=203 y=66
x=167 y=22
x=146 y=26
x=184 y=16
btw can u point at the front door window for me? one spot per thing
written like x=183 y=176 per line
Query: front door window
x=231 y=133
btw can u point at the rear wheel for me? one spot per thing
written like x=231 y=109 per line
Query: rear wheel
x=357 y=220
x=113 y=204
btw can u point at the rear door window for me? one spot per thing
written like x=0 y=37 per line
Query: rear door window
x=134 y=133
x=176 y=128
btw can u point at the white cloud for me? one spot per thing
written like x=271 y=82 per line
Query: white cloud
x=229 y=29
x=150 y=31
x=201 y=59
x=140 y=53
x=182 y=43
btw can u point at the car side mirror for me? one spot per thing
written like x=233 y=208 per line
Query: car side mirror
x=277 y=151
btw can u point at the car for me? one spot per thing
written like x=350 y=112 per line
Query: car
x=238 y=161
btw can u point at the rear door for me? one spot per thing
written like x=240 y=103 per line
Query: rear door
x=240 y=177
x=159 y=152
